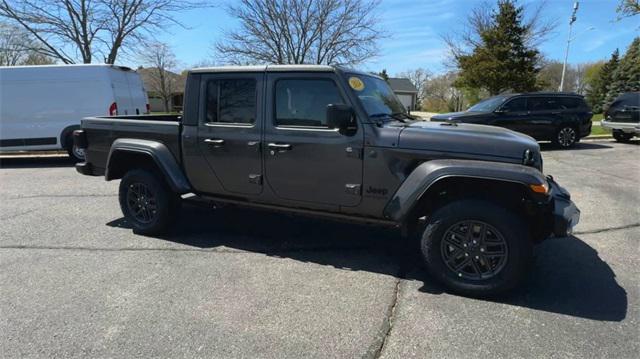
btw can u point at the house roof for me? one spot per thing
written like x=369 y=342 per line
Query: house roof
x=401 y=84
x=179 y=80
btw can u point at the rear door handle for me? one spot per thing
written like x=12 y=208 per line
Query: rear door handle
x=214 y=141
x=280 y=147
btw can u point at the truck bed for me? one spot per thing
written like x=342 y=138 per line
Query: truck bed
x=102 y=131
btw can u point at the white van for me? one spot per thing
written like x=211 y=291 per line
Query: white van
x=40 y=106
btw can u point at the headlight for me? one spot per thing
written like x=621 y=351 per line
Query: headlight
x=528 y=158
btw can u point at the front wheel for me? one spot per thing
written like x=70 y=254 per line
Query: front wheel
x=621 y=136
x=147 y=202
x=566 y=137
x=476 y=248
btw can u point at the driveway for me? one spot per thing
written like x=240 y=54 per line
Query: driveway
x=228 y=282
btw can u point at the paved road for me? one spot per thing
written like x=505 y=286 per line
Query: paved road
x=75 y=282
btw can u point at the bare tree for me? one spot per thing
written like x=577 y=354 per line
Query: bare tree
x=72 y=30
x=442 y=95
x=301 y=32
x=16 y=48
x=161 y=81
x=418 y=78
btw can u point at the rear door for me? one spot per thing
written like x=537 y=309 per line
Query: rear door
x=229 y=132
x=305 y=160
x=121 y=93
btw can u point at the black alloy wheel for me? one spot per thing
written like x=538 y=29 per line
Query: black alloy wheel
x=566 y=137
x=141 y=202
x=474 y=250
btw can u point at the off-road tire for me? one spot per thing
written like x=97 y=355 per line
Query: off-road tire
x=510 y=227
x=161 y=205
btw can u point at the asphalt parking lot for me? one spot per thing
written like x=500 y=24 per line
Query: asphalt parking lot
x=76 y=282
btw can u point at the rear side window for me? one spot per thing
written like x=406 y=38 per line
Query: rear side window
x=571 y=103
x=544 y=103
x=516 y=105
x=231 y=101
x=304 y=103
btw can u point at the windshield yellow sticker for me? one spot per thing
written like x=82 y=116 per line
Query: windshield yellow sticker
x=356 y=83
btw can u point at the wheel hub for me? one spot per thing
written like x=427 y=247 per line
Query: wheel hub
x=141 y=202
x=474 y=250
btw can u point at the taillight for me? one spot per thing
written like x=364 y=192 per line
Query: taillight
x=148 y=109
x=113 y=109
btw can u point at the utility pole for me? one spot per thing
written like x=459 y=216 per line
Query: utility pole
x=566 y=54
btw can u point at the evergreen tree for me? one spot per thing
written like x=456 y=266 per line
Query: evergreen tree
x=502 y=60
x=626 y=77
x=598 y=90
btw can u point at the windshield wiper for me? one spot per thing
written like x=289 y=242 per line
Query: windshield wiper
x=395 y=115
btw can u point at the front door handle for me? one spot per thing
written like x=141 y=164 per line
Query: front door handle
x=214 y=141
x=279 y=147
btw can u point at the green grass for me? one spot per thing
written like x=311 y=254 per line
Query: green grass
x=598 y=130
x=597 y=117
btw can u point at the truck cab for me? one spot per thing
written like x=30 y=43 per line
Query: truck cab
x=333 y=142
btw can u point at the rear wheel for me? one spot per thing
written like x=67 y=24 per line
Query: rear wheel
x=621 y=136
x=147 y=202
x=77 y=154
x=476 y=248
x=566 y=137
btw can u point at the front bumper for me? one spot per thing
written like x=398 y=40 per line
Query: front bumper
x=626 y=127
x=565 y=213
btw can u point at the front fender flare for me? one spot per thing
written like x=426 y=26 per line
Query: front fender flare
x=428 y=173
x=159 y=153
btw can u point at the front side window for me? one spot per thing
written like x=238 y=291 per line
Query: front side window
x=303 y=102
x=231 y=101
x=516 y=105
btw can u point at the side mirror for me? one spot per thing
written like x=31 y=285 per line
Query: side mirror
x=340 y=116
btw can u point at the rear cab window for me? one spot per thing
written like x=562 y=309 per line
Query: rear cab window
x=231 y=101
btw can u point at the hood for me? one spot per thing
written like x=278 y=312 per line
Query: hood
x=462 y=116
x=467 y=138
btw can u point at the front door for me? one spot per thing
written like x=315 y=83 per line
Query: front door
x=513 y=115
x=229 y=132
x=305 y=160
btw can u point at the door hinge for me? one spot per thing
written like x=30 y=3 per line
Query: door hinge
x=353 y=188
x=255 y=179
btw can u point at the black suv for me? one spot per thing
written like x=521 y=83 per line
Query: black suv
x=563 y=118
x=623 y=116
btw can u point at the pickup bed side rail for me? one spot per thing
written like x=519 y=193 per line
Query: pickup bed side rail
x=157 y=151
x=428 y=173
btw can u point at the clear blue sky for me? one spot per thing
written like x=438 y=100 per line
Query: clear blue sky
x=415 y=26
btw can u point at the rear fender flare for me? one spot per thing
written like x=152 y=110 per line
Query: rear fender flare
x=427 y=174
x=156 y=151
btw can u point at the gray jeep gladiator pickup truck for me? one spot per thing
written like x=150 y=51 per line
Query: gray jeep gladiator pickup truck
x=327 y=141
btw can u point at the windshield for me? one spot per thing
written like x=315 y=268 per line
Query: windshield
x=488 y=105
x=376 y=96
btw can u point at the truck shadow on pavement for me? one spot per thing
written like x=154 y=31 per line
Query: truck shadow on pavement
x=35 y=162
x=568 y=276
